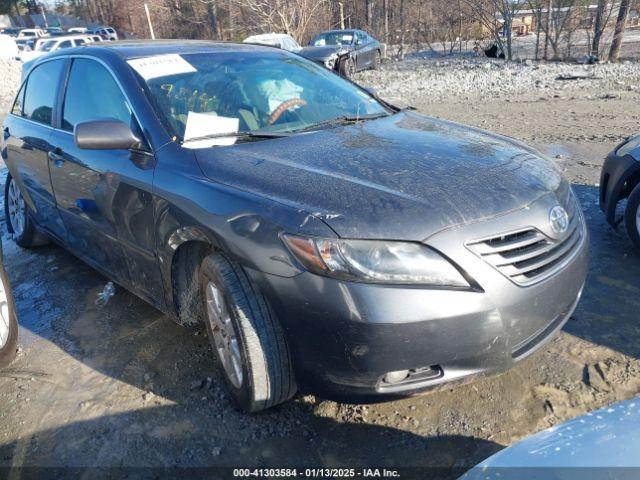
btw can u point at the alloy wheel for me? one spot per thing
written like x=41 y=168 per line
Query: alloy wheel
x=224 y=335
x=4 y=315
x=16 y=209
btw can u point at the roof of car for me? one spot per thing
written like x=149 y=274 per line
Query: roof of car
x=128 y=49
x=270 y=35
x=348 y=30
x=62 y=38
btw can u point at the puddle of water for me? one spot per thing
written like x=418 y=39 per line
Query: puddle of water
x=589 y=153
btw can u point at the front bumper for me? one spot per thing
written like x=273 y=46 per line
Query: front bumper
x=616 y=171
x=345 y=336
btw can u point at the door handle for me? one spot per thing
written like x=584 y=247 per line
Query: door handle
x=6 y=133
x=56 y=158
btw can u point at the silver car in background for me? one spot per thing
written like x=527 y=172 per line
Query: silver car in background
x=604 y=444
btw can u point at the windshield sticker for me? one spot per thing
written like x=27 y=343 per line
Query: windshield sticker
x=201 y=125
x=161 y=66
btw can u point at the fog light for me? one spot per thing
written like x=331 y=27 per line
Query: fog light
x=396 y=377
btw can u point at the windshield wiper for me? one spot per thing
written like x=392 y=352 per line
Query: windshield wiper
x=344 y=120
x=239 y=135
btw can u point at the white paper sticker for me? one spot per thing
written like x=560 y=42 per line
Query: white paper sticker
x=161 y=66
x=203 y=124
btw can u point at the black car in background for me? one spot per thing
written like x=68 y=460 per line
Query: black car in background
x=619 y=181
x=347 y=51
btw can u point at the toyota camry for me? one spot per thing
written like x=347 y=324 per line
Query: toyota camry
x=330 y=242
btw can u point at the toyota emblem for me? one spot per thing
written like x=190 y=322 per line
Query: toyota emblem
x=559 y=220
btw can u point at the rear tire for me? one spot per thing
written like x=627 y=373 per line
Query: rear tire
x=377 y=60
x=246 y=336
x=632 y=217
x=9 y=323
x=16 y=214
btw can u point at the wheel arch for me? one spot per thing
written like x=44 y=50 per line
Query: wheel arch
x=620 y=175
x=184 y=287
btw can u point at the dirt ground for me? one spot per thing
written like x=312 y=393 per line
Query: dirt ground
x=120 y=385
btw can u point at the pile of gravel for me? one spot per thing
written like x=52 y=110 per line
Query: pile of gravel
x=10 y=72
x=463 y=78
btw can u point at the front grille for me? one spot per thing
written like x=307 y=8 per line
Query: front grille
x=528 y=256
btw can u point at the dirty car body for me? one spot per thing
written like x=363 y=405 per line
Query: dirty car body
x=397 y=251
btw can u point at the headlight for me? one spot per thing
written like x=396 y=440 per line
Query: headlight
x=375 y=261
x=628 y=147
x=330 y=63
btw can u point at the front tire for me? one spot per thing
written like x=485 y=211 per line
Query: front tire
x=16 y=214
x=347 y=67
x=246 y=336
x=8 y=322
x=632 y=217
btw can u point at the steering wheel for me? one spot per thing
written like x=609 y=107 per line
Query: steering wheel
x=283 y=107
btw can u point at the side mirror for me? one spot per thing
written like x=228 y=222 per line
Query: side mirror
x=107 y=134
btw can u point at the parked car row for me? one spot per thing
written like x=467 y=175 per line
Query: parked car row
x=26 y=38
x=345 y=51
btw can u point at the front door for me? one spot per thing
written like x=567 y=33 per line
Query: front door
x=104 y=196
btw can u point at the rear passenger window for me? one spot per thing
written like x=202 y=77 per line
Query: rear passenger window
x=17 y=105
x=103 y=99
x=65 y=44
x=42 y=87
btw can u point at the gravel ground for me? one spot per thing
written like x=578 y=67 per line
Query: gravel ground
x=121 y=385
x=434 y=80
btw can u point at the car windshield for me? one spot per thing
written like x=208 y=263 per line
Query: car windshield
x=47 y=46
x=333 y=38
x=259 y=92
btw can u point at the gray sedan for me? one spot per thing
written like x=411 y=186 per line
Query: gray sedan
x=347 y=51
x=330 y=242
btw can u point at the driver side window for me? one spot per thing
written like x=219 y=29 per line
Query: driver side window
x=104 y=99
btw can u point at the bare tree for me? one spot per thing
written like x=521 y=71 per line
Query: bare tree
x=621 y=24
x=557 y=23
x=497 y=17
x=284 y=16
x=598 y=27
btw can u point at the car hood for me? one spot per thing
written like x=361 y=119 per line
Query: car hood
x=402 y=177
x=322 y=53
x=579 y=448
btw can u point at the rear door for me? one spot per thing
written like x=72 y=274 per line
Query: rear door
x=365 y=53
x=28 y=131
x=104 y=196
